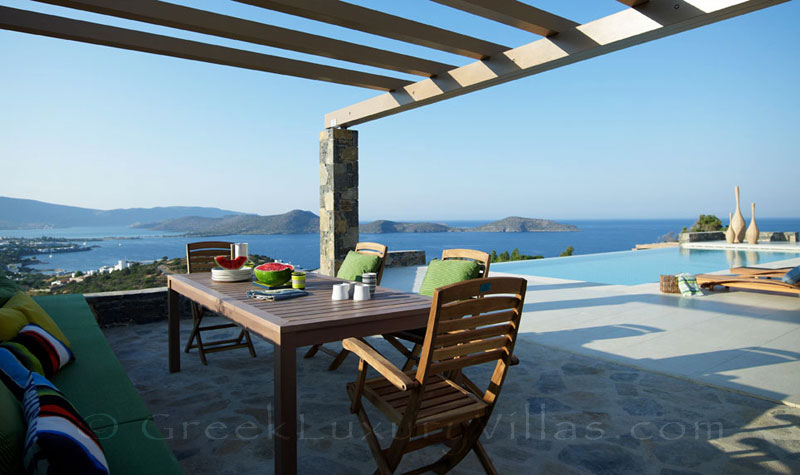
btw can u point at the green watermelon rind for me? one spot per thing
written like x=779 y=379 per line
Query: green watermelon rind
x=272 y=277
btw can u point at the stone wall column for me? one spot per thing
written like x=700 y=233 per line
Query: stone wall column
x=338 y=197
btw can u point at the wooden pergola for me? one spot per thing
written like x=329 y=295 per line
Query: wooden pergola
x=556 y=42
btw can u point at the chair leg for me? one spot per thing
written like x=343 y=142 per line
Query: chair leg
x=413 y=358
x=312 y=351
x=249 y=343
x=483 y=457
x=197 y=317
x=201 y=349
x=338 y=360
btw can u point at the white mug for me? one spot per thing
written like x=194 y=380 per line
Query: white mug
x=240 y=249
x=349 y=286
x=361 y=292
x=340 y=292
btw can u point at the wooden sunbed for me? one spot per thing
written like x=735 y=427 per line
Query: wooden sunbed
x=752 y=278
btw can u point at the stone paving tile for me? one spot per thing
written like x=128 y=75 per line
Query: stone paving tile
x=559 y=413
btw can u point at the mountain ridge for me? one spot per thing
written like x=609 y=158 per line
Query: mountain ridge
x=20 y=213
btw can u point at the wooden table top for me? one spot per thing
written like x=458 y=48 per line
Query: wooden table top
x=306 y=320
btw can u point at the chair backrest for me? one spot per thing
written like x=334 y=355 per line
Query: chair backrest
x=483 y=258
x=473 y=322
x=200 y=255
x=374 y=249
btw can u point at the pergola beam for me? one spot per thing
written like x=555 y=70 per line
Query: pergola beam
x=652 y=20
x=209 y=23
x=633 y=3
x=375 y=22
x=513 y=13
x=87 y=32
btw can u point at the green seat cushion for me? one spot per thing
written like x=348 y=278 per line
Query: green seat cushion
x=136 y=448
x=356 y=264
x=12 y=433
x=96 y=382
x=7 y=288
x=70 y=311
x=441 y=273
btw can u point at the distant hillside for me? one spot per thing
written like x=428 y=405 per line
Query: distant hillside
x=383 y=226
x=294 y=222
x=515 y=224
x=512 y=224
x=18 y=213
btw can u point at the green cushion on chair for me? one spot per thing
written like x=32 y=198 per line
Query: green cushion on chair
x=356 y=264
x=12 y=433
x=136 y=448
x=441 y=273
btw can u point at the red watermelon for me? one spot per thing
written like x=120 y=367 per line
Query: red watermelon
x=227 y=263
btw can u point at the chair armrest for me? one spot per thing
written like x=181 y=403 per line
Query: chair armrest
x=385 y=367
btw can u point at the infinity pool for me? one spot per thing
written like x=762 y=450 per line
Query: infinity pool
x=639 y=267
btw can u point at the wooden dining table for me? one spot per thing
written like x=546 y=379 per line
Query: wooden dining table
x=290 y=324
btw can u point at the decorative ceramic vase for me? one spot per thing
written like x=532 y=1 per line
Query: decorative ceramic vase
x=752 y=230
x=729 y=234
x=737 y=221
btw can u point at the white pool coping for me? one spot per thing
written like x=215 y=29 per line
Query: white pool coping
x=743 y=246
x=739 y=340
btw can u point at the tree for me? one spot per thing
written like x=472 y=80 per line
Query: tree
x=494 y=256
x=706 y=223
x=78 y=273
x=505 y=257
x=567 y=252
x=515 y=254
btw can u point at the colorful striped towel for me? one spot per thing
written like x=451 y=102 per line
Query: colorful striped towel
x=687 y=283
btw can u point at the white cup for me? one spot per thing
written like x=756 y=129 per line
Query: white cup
x=240 y=249
x=349 y=286
x=340 y=292
x=361 y=292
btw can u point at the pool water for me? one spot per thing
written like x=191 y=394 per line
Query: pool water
x=639 y=267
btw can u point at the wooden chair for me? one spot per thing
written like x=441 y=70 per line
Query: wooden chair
x=417 y=335
x=200 y=258
x=472 y=322
x=368 y=248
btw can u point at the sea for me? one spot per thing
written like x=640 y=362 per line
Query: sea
x=302 y=250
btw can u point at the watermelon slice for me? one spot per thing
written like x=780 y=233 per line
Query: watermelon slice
x=273 y=273
x=227 y=263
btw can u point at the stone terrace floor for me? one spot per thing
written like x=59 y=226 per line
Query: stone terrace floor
x=559 y=413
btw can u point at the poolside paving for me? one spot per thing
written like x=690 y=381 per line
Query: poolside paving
x=743 y=340
x=560 y=412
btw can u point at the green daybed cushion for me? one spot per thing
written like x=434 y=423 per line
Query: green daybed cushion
x=7 y=288
x=12 y=433
x=70 y=311
x=96 y=382
x=441 y=273
x=137 y=448
x=356 y=264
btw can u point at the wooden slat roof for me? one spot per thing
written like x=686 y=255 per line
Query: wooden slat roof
x=557 y=41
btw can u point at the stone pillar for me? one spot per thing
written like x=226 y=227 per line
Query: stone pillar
x=338 y=197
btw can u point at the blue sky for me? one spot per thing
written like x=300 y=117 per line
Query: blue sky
x=660 y=130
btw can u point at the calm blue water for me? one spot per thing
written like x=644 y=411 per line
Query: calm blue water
x=638 y=267
x=596 y=236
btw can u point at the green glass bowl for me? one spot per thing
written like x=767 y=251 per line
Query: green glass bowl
x=273 y=278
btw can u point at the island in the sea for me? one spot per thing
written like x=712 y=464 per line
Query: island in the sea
x=303 y=222
x=16 y=213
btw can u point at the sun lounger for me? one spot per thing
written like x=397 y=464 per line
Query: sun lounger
x=752 y=278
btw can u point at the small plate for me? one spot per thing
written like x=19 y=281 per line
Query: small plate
x=230 y=275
